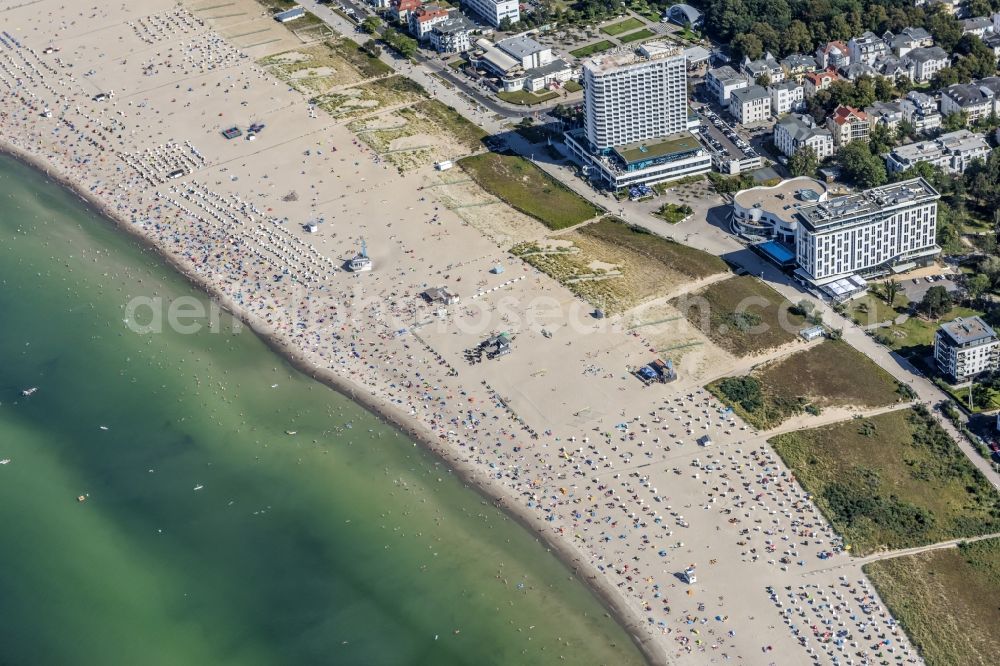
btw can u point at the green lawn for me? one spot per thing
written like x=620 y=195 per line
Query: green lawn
x=645 y=33
x=525 y=98
x=915 y=336
x=946 y=601
x=871 y=309
x=985 y=399
x=530 y=190
x=831 y=374
x=591 y=49
x=622 y=26
x=742 y=315
x=892 y=481
x=458 y=64
x=572 y=86
x=683 y=259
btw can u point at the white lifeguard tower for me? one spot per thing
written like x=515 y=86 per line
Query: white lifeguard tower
x=361 y=261
x=689 y=576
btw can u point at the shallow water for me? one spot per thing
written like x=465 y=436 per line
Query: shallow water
x=343 y=543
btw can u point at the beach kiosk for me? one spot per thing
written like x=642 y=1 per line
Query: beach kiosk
x=361 y=261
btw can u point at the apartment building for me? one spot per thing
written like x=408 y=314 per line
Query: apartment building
x=722 y=81
x=966 y=347
x=848 y=124
x=797 y=131
x=786 y=97
x=494 y=11
x=750 y=105
x=952 y=152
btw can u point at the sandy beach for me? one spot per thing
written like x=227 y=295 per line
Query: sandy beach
x=116 y=101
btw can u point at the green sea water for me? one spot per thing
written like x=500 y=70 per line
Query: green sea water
x=341 y=544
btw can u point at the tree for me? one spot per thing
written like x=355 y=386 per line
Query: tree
x=944 y=78
x=860 y=166
x=975 y=59
x=890 y=290
x=955 y=121
x=881 y=139
x=371 y=25
x=977 y=285
x=764 y=80
x=372 y=48
x=936 y=302
x=905 y=131
x=803 y=162
x=746 y=45
x=797 y=38
x=505 y=24
x=945 y=28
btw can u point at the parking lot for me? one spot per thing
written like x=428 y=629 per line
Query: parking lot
x=721 y=139
x=915 y=288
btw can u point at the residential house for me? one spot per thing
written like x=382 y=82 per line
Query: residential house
x=813 y=82
x=833 y=54
x=750 y=105
x=796 y=64
x=786 y=97
x=992 y=41
x=856 y=70
x=926 y=61
x=977 y=26
x=766 y=66
x=952 y=152
x=921 y=110
x=423 y=19
x=848 y=124
x=907 y=40
x=867 y=48
x=399 y=10
x=453 y=35
x=977 y=100
x=892 y=67
x=796 y=131
x=887 y=114
x=722 y=81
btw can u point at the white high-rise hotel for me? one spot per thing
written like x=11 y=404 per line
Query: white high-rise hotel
x=634 y=96
x=636 y=119
x=885 y=226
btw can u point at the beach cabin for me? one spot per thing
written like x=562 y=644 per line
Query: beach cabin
x=496 y=346
x=290 y=15
x=176 y=173
x=444 y=165
x=811 y=333
x=439 y=295
x=311 y=227
x=361 y=261
x=705 y=440
x=232 y=132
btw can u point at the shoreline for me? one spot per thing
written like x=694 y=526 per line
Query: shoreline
x=381 y=409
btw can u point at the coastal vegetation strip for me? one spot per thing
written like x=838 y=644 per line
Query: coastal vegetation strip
x=615 y=266
x=891 y=481
x=521 y=184
x=830 y=374
x=946 y=600
x=742 y=315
